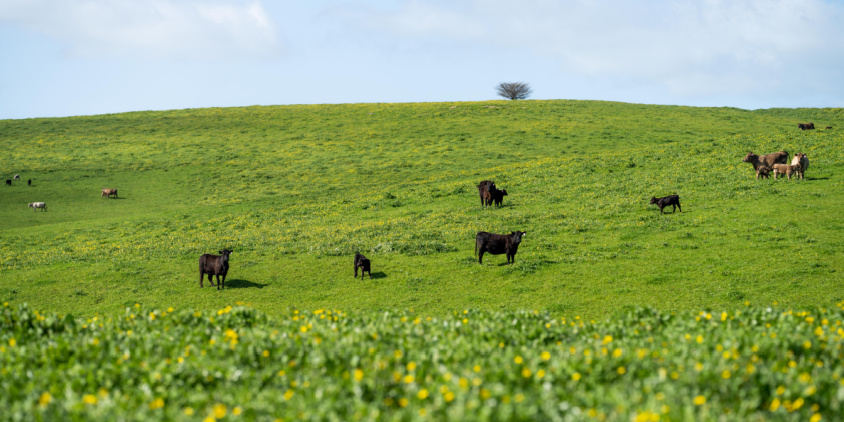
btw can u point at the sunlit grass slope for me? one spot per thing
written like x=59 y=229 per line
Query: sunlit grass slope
x=296 y=190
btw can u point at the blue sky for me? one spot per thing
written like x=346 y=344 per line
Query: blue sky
x=82 y=57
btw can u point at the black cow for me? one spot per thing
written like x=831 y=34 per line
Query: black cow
x=806 y=126
x=483 y=191
x=673 y=200
x=363 y=263
x=498 y=244
x=29 y=182
x=8 y=182
x=496 y=196
x=214 y=265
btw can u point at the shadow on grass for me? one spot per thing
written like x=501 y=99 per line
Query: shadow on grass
x=242 y=284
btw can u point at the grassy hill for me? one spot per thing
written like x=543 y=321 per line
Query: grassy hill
x=296 y=190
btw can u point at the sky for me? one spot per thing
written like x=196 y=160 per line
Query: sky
x=85 y=57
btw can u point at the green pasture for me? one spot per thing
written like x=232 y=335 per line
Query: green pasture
x=296 y=190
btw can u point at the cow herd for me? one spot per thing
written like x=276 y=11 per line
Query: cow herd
x=508 y=244
x=17 y=177
x=779 y=164
x=107 y=193
x=489 y=194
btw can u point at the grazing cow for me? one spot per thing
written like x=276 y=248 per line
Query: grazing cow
x=363 y=263
x=829 y=127
x=764 y=172
x=787 y=170
x=8 y=182
x=767 y=160
x=36 y=205
x=17 y=177
x=498 y=244
x=214 y=265
x=496 y=196
x=29 y=182
x=108 y=192
x=673 y=200
x=803 y=161
x=806 y=126
x=483 y=190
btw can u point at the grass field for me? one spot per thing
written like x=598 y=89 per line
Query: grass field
x=296 y=190
x=730 y=310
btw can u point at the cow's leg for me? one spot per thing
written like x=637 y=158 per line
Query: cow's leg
x=218 y=281
x=356 y=272
x=679 y=207
x=211 y=279
x=201 y=276
x=481 y=256
x=223 y=283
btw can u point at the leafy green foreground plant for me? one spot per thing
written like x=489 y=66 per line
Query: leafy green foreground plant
x=237 y=363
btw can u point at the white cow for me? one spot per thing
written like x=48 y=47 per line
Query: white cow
x=36 y=205
x=802 y=160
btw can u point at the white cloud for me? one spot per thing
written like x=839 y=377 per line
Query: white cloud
x=150 y=28
x=689 y=47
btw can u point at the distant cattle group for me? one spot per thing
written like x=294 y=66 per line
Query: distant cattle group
x=778 y=163
x=489 y=195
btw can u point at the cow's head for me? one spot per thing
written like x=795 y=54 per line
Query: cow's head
x=654 y=200
x=516 y=236
x=504 y=192
x=225 y=253
x=748 y=157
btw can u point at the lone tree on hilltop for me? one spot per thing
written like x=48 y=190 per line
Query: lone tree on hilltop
x=514 y=90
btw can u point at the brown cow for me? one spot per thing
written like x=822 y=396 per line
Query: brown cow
x=806 y=126
x=108 y=192
x=767 y=160
x=498 y=244
x=483 y=191
x=787 y=169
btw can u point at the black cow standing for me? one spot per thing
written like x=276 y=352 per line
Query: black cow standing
x=363 y=263
x=498 y=244
x=673 y=200
x=214 y=265
x=496 y=196
x=29 y=182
